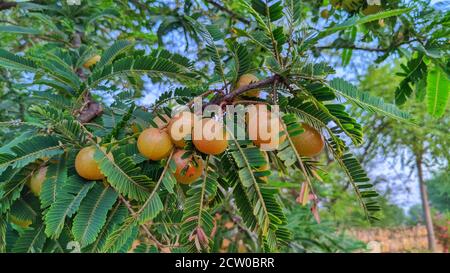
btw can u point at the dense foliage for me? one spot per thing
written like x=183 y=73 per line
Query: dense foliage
x=58 y=100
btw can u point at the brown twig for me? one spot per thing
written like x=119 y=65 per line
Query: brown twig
x=230 y=96
x=90 y=109
x=147 y=231
x=354 y=47
x=232 y=14
x=7 y=5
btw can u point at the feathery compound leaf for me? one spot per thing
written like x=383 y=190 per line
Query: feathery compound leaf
x=319 y=115
x=3 y=226
x=12 y=182
x=67 y=203
x=273 y=11
x=414 y=70
x=121 y=234
x=54 y=181
x=31 y=241
x=361 y=183
x=12 y=61
x=207 y=34
x=59 y=70
x=144 y=65
x=123 y=175
x=151 y=208
x=91 y=216
x=19 y=30
x=294 y=10
x=26 y=208
x=366 y=101
x=355 y=21
x=437 y=92
x=241 y=58
x=196 y=219
x=69 y=128
x=178 y=59
x=112 y=52
x=116 y=216
x=266 y=209
x=29 y=150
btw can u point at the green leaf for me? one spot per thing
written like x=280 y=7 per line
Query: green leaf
x=116 y=216
x=355 y=21
x=6 y=148
x=121 y=234
x=242 y=61
x=124 y=176
x=195 y=214
x=19 y=30
x=12 y=181
x=55 y=179
x=294 y=10
x=112 y=52
x=364 y=190
x=3 y=226
x=262 y=199
x=141 y=65
x=109 y=13
x=151 y=208
x=67 y=203
x=437 y=92
x=26 y=208
x=91 y=216
x=414 y=71
x=367 y=101
x=208 y=33
x=31 y=241
x=12 y=61
x=30 y=150
x=273 y=11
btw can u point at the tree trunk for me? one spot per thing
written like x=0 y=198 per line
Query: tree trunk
x=426 y=207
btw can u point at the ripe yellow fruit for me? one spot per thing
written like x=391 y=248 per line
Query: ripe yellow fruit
x=20 y=223
x=325 y=14
x=210 y=138
x=91 y=61
x=265 y=130
x=86 y=166
x=37 y=180
x=194 y=169
x=154 y=144
x=180 y=126
x=308 y=143
x=247 y=79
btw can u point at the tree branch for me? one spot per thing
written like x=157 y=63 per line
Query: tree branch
x=233 y=14
x=147 y=231
x=7 y=5
x=354 y=47
x=229 y=97
x=90 y=110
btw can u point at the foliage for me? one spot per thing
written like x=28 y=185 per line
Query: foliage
x=64 y=106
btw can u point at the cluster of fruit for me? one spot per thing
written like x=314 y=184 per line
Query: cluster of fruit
x=158 y=143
